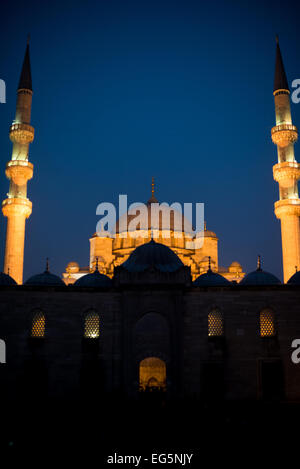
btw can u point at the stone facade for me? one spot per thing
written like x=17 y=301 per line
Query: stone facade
x=151 y=318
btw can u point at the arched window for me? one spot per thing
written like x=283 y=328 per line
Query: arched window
x=215 y=324
x=38 y=325
x=91 y=326
x=266 y=323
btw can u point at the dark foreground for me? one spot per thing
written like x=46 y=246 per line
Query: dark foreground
x=44 y=430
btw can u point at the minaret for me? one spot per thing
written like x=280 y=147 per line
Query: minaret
x=286 y=172
x=17 y=207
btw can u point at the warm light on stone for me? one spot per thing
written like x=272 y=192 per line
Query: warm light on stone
x=287 y=173
x=17 y=207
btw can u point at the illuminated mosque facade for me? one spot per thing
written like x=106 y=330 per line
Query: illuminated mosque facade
x=151 y=313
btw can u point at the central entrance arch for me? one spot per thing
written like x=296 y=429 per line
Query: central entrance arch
x=152 y=375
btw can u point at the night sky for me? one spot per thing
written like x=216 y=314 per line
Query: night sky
x=127 y=90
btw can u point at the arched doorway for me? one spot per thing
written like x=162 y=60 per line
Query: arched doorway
x=152 y=375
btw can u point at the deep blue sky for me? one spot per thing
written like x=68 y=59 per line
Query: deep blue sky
x=127 y=90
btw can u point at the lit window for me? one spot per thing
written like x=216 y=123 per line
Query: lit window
x=266 y=322
x=38 y=325
x=215 y=324
x=91 y=326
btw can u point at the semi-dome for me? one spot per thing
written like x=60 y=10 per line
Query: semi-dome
x=260 y=277
x=155 y=255
x=211 y=279
x=295 y=279
x=6 y=279
x=95 y=279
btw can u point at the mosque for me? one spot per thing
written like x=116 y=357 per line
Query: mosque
x=150 y=315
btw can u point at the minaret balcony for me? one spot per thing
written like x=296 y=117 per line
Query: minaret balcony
x=287 y=207
x=16 y=206
x=284 y=134
x=21 y=133
x=19 y=171
x=287 y=173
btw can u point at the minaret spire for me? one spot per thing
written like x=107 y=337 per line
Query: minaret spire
x=25 y=81
x=17 y=207
x=287 y=171
x=280 y=80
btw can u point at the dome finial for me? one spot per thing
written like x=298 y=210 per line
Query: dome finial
x=205 y=226
x=28 y=39
x=152 y=198
x=296 y=267
x=7 y=270
x=47 y=264
x=259 y=263
x=277 y=39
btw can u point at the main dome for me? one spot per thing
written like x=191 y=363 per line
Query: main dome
x=155 y=255
x=154 y=217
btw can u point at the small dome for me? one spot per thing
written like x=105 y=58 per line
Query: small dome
x=6 y=279
x=235 y=267
x=211 y=279
x=94 y=279
x=155 y=255
x=260 y=277
x=295 y=279
x=72 y=267
x=46 y=278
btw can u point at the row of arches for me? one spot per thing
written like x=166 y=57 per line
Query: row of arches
x=215 y=324
x=266 y=323
x=91 y=325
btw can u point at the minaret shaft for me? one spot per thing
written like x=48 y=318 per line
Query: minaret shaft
x=286 y=172
x=17 y=207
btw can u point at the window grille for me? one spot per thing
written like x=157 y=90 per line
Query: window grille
x=215 y=324
x=91 y=327
x=38 y=325
x=267 y=328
